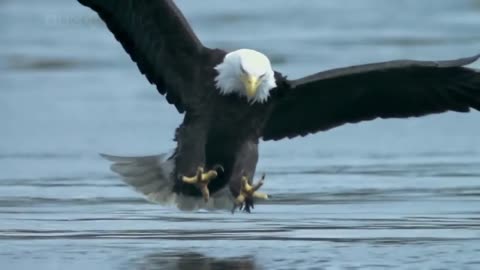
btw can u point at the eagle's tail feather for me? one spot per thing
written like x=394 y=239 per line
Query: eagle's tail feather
x=149 y=175
x=153 y=177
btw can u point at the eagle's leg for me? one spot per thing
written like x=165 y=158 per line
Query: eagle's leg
x=248 y=193
x=201 y=181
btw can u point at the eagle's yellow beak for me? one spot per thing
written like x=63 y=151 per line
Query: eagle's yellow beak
x=251 y=85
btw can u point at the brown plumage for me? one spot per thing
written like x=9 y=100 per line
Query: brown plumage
x=224 y=130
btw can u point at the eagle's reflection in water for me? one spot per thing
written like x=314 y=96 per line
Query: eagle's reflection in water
x=195 y=261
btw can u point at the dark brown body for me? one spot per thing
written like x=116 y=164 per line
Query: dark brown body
x=217 y=134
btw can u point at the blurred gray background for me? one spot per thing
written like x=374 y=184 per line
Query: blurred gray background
x=383 y=194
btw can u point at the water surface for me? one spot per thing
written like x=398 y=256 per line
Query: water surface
x=384 y=194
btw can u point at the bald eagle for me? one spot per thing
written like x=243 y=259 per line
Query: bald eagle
x=231 y=100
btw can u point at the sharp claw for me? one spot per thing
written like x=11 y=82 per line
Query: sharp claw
x=218 y=167
x=248 y=193
x=201 y=181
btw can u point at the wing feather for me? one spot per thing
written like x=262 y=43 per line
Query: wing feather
x=395 y=89
x=159 y=40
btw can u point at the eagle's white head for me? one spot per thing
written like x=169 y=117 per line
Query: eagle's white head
x=247 y=73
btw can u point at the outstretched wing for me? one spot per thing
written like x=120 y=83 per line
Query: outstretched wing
x=395 y=89
x=158 y=38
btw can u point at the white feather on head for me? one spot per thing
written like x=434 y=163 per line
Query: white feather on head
x=244 y=62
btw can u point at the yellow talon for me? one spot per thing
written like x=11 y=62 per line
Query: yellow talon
x=201 y=181
x=249 y=191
